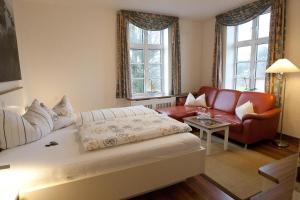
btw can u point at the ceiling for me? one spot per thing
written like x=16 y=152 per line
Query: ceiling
x=190 y=9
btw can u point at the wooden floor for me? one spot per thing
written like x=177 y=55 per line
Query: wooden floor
x=203 y=188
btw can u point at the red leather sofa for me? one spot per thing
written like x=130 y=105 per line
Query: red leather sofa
x=222 y=103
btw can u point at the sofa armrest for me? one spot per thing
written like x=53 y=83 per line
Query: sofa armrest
x=262 y=116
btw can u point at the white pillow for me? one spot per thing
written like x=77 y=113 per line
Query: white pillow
x=63 y=122
x=39 y=118
x=190 y=100
x=15 y=130
x=64 y=107
x=246 y=108
x=53 y=114
x=199 y=101
x=64 y=115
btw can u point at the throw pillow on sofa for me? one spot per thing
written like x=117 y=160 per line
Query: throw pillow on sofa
x=192 y=101
x=246 y=108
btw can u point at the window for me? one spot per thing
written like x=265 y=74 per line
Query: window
x=247 y=54
x=148 y=61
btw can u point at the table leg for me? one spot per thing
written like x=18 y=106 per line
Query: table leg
x=226 y=138
x=208 y=142
x=201 y=136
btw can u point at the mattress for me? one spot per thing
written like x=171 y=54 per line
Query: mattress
x=35 y=166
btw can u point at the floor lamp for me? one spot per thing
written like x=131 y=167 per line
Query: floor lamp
x=282 y=66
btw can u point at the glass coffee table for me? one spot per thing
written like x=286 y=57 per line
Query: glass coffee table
x=209 y=126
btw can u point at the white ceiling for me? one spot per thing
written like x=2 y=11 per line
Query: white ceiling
x=190 y=9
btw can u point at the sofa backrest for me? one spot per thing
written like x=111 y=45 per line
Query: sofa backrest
x=210 y=94
x=262 y=102
x=226 y=100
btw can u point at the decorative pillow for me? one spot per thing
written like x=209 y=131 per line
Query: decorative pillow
x=15 y=130
x=63 y=122
x=246 y=108
x=39 y=118
x=64 y=107
x=53 y=114
x=199 y=101
x=190 y=100
x=63 y=115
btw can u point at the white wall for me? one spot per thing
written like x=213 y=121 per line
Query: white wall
x=208 y=41
x=191 y=55
x=71 y=49
x=292 y=110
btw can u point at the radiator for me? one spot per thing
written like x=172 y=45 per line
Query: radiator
x=155 y=103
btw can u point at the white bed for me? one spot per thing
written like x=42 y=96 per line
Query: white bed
x=66 y=171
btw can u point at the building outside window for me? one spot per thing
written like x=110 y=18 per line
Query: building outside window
x=247 y=54
x=149 y=61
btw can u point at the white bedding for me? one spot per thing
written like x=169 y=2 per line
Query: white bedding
x=119 y=131
x=34 y=165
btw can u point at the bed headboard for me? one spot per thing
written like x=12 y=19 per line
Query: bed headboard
x=13 y=99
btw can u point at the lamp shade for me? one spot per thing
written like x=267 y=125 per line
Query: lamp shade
x=282 y=66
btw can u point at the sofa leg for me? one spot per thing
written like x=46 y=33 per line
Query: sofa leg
x=245 y=146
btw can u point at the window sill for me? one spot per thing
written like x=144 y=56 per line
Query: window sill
x=148 y=97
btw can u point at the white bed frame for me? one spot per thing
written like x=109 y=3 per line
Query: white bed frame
x=121 y=184
x=125 y=183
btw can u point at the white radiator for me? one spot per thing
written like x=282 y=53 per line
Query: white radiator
x=155 y=103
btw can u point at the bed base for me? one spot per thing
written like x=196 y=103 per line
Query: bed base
x=125 y=183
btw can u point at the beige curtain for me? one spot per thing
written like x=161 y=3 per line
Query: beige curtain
x=276 y=42
x=276 y=47
x=146 y=21
x=232 y=18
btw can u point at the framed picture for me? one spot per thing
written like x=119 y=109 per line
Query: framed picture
x=9 y=56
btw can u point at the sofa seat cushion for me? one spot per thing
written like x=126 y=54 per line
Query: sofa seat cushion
x=236 y=125
x=179 y=112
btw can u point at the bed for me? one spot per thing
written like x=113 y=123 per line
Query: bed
x=66 y=171
x=69 y=172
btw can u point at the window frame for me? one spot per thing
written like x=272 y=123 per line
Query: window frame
x=146 y=47
x=254 y=42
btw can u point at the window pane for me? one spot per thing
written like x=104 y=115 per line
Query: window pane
x=154 y=37
x=135 y=34
x=137 y=71
x=264 y=25
x=137 y=86
x=262 y=52
x=154 y=57
x=136 y=56
x=243 y=70
x=242 y=84
x=245 y=31
x=261 y=69
x=154 y=85
x=244 y=53
x=155 y=71
x=260 y=85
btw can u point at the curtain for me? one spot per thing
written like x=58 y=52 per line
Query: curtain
x=276 y=40
x=276 y=47
x=146 y=21
x=232 y=18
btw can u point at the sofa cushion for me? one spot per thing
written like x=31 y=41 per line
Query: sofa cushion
x=226 y=100
x=262 y=102
x=236 y=125
x=210 y=94
x=179 y=112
